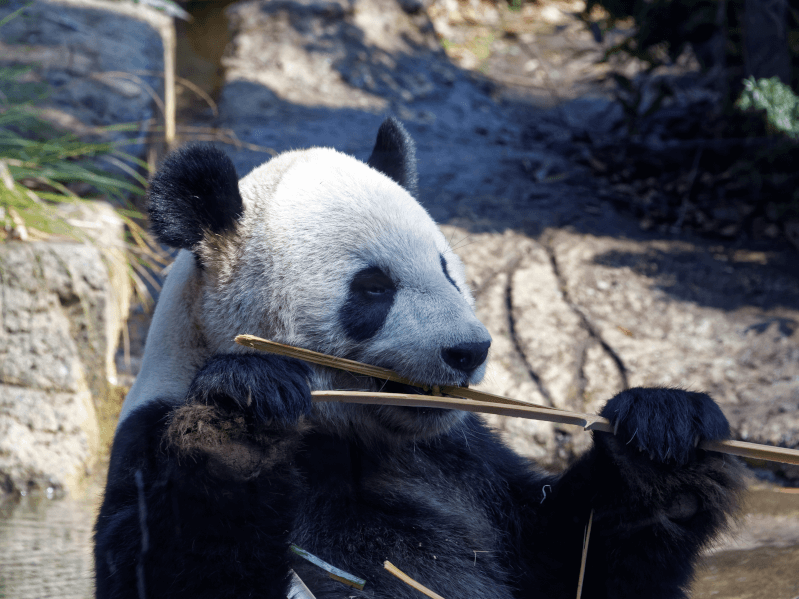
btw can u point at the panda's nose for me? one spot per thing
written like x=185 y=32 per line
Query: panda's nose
x=466 y=357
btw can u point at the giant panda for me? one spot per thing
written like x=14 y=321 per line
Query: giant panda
x=220 y=460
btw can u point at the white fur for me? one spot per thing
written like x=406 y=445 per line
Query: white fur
x=174 y=350
x=312 y=219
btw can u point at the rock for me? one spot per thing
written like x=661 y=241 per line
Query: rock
x=576 y=318
x=63 y=305
x=48 y=440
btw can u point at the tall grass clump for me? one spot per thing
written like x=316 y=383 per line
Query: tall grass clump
x=43 y=167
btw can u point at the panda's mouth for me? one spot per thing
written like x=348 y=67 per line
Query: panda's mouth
x=394 y=387
x=439 y=414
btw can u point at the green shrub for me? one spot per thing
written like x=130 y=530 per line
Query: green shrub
x=780 y=104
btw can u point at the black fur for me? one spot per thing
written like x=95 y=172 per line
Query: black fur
x=667 y=435
x=226 y=492
x=446 y=273
x=187 y=512
x=394 y=155
x=371 y=295
x=269 y=387
x=196 y=191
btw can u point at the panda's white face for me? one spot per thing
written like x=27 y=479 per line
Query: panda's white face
x=319 y=250
x=350 y=264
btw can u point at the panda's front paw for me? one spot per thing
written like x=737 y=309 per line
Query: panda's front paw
x=666 y=424
x=270 y=388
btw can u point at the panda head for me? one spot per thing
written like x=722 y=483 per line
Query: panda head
x=320 y=250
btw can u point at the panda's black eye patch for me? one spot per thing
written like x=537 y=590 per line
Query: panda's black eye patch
x=368 y=303
x=373 y=283
x=446 y=273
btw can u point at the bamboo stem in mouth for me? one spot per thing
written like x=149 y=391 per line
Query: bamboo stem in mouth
x=367 y=369
x=472 y=400
x=587 y=421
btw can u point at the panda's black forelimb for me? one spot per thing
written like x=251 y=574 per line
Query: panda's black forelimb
x=666 y=434
x=657 y=499
x=269 y=387
x=212 y=481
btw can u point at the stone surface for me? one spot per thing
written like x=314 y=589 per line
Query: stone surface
x=62 y=306
x=578 y=317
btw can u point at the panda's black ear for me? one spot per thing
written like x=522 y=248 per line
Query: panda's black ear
x=195 y=191
x=394 y=154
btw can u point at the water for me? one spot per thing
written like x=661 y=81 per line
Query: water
x=761 y=561
x=46 y=549
x=201 y=44
x=46 y=546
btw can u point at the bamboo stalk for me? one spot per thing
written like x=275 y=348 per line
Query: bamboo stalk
x=298 y=589
x=169 y=42
x=410 y=581
x=753 y=450
x=480 y=401
x=534 y=412
x=322 y=359
x=366 y=369
x=332 y=571
x=585 y=555
x=587 y=421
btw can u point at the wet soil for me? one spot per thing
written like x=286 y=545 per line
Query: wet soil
x=763 y=573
